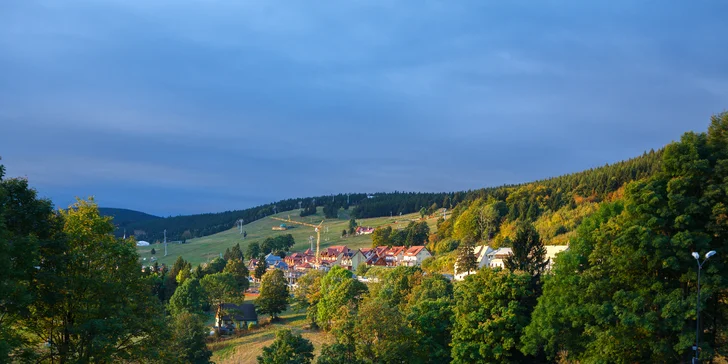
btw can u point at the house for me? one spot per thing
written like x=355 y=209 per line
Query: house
x=360 y=230
x=394 y=256
x=415 y=255
x=333 y=254
x=231 y=316
x=292 y=275
x=252 y=264
x=352 y=259
x=271 y=259
x=498 y=257
x=551 y=251
x=376 y=261
x=481 y=255
x=294 y=259
x=367 y=252
x=279 y=265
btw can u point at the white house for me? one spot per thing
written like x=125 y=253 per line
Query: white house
x=481 y=257
x=415 y=255
x=551 y=251
x=498 y=257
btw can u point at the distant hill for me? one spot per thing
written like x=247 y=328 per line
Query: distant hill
x=594 y=185
x=126 y=219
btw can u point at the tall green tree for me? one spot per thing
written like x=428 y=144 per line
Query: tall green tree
x=529 y=254
x=253 y=250
x=260 y=268
x=381 y=236
x=489 y=317
x=273 y=297
x=417 y=233
x=307 y=293
x=634 y=272
x=188 y=339
x=338 y=288
x=381 y=333
x=221 y=288
x=94 y=304
x=27 y=224
x=467 y=261
x=429 y=313
x=237 y=268
x=190 y=297
x=287 y=348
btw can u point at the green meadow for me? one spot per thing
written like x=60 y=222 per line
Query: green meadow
x=204 y=249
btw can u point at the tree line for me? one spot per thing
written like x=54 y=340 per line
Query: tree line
x=624 y=291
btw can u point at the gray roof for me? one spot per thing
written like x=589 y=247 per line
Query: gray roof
x=242 y=312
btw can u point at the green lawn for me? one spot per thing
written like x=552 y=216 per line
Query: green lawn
x=245 y=349
x=203 y=249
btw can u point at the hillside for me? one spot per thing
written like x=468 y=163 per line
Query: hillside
x=594 y=185
x=125 y=218
x=205 y=248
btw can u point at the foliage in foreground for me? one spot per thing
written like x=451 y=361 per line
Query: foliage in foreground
x=288 y=348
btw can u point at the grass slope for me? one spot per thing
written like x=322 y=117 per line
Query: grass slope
x=203 y=249
x=245 y=349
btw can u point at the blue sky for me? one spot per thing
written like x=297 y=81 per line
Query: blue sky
x=175 y=107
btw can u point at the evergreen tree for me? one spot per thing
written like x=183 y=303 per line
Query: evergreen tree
x=237 y=269
x=253 y=250
x=529 y=254
x=260 y=268
x=153 y=251
x=467 y=261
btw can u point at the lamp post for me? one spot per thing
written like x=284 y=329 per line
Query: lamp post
x=697 y=305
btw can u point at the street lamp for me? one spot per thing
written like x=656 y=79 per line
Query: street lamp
x=697 y=305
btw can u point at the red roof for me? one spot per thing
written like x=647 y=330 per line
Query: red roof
x=414 y=250
x=395 y=250
x=334 y=251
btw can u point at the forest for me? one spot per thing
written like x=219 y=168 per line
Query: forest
x=626 y=290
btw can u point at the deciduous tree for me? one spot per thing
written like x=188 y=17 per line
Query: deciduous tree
x=287 y=348
x=190 y=297
x=489 y=318
x=188 y=339
x=273 y=297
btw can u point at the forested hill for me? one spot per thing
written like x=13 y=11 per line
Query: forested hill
x=555 y=206
x=124 y=217
x=523 y=200
x=192 y=226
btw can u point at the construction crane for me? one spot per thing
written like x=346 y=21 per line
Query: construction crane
x=317 y=228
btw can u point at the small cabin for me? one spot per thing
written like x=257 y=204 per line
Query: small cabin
x=232 y=316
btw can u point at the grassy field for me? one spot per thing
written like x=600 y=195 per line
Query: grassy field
x=245 y=349
x=203 y=249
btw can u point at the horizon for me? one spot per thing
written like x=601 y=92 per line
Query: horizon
x=176 y=109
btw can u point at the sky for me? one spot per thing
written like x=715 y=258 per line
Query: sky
x=188 y=106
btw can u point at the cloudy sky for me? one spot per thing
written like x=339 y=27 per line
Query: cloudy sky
x=181 y=106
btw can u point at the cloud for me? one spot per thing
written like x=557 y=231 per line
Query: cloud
x=249 y=102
